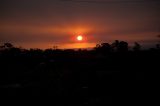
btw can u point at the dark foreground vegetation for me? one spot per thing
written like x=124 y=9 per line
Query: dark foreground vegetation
x=107 y=74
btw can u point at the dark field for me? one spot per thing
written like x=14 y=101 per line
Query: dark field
x=81 y=77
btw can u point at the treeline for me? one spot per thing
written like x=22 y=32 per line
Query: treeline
x=80 y=76
x=104 y=48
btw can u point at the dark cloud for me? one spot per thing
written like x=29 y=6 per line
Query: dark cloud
x=111 y=1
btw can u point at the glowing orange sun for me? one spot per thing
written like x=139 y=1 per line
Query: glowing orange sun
x=79 y=38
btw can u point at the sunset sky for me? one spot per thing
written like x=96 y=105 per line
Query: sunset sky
x=44 y=23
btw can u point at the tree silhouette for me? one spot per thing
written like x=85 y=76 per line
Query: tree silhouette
x=63 y=72
x=158 y=46
x=119 y=46
x=55 y=47
x=7 y=46
x=136 y=47
x=103 y=48
x=122 y=46
x=115 y=45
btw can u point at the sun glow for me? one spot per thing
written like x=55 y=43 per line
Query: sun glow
x=79 y=38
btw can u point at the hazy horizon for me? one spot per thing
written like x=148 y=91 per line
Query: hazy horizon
x=45 y=23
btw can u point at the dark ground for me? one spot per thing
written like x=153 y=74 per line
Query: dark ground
x=82 y=77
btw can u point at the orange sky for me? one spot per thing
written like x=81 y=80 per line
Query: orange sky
x=44 y=23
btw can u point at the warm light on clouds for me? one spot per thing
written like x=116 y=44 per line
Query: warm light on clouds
x=78 y=45
x=44 y=29
x=25 y=22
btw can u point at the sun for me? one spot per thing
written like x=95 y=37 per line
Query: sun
x=79 y=38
